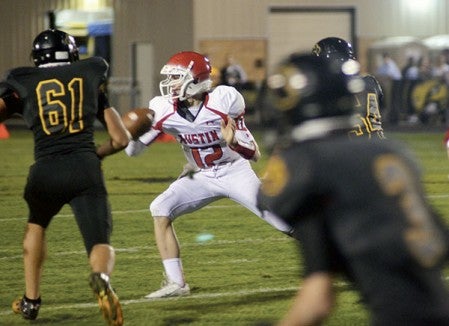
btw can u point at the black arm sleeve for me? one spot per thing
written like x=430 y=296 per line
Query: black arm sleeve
x=103 y=103
x=314 y=245
x=11 y=99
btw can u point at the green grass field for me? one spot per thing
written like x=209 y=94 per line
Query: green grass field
x=246 y=275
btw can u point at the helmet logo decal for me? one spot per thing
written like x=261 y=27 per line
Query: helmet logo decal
x=190 y=66
x=316 y=50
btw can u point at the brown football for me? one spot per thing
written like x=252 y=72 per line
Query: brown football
x=138 y=121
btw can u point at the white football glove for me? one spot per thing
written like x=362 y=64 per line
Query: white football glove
x=188 y=170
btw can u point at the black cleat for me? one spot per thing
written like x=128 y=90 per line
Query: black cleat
x=27 y=307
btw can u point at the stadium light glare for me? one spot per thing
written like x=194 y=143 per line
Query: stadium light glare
x=419 y=6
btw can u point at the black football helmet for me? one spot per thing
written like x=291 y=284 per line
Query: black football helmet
x=334 y=48
x=52 y=46
x=307 y=87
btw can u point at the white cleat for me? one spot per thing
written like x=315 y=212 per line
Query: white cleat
x=169 y=290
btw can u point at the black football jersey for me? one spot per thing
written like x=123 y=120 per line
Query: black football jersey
x=60 y=104
x=364 y=216
x=367 y=106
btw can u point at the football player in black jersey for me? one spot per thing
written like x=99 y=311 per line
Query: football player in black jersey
x=364 y=216
x=369 y=101
x=59 y=100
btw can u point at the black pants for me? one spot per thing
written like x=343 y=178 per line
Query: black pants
x=74 y=179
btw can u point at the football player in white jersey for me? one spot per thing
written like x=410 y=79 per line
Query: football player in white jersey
x=209 y=125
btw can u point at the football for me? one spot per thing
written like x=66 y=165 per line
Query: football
x=138 y=121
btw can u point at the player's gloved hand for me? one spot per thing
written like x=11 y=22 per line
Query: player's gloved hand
x=188 y=170
x=228 y=131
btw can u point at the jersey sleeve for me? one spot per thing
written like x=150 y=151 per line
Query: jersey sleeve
x=371 y=112
x=285 y=185
x=162 y=109
x=103 y=104
x=314 y=245
x=374 y=85
x=235 y=102
x=226 y=100
x=286 y=190
x=245 y=144
x=11 y=100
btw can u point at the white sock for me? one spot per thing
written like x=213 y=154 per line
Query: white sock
x=173 y=270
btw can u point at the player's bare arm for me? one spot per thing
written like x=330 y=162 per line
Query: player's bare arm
x=313 y=302
x=119 y=136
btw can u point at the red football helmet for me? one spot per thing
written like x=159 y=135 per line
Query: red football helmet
x=188 y=74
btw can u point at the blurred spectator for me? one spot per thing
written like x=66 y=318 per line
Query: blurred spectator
x=410 y=70
x=425 y=68
x=390 y=74
x=389 y=68
x=232 y=74
x=441 y=69
x=410 y=73
x=441 y=72
x=430 y=95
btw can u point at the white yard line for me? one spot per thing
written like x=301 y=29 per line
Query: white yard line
x=115 y=213
x=143 y=300
x=147 y=249
x=190 y=297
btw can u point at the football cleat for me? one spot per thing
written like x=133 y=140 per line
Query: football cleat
x=169 y=289
x=107 y=299
x=28 y=308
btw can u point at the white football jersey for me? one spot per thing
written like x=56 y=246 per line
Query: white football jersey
x=201 y=139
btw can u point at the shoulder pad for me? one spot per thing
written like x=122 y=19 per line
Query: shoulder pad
x=372 y=85
x=228 y=100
